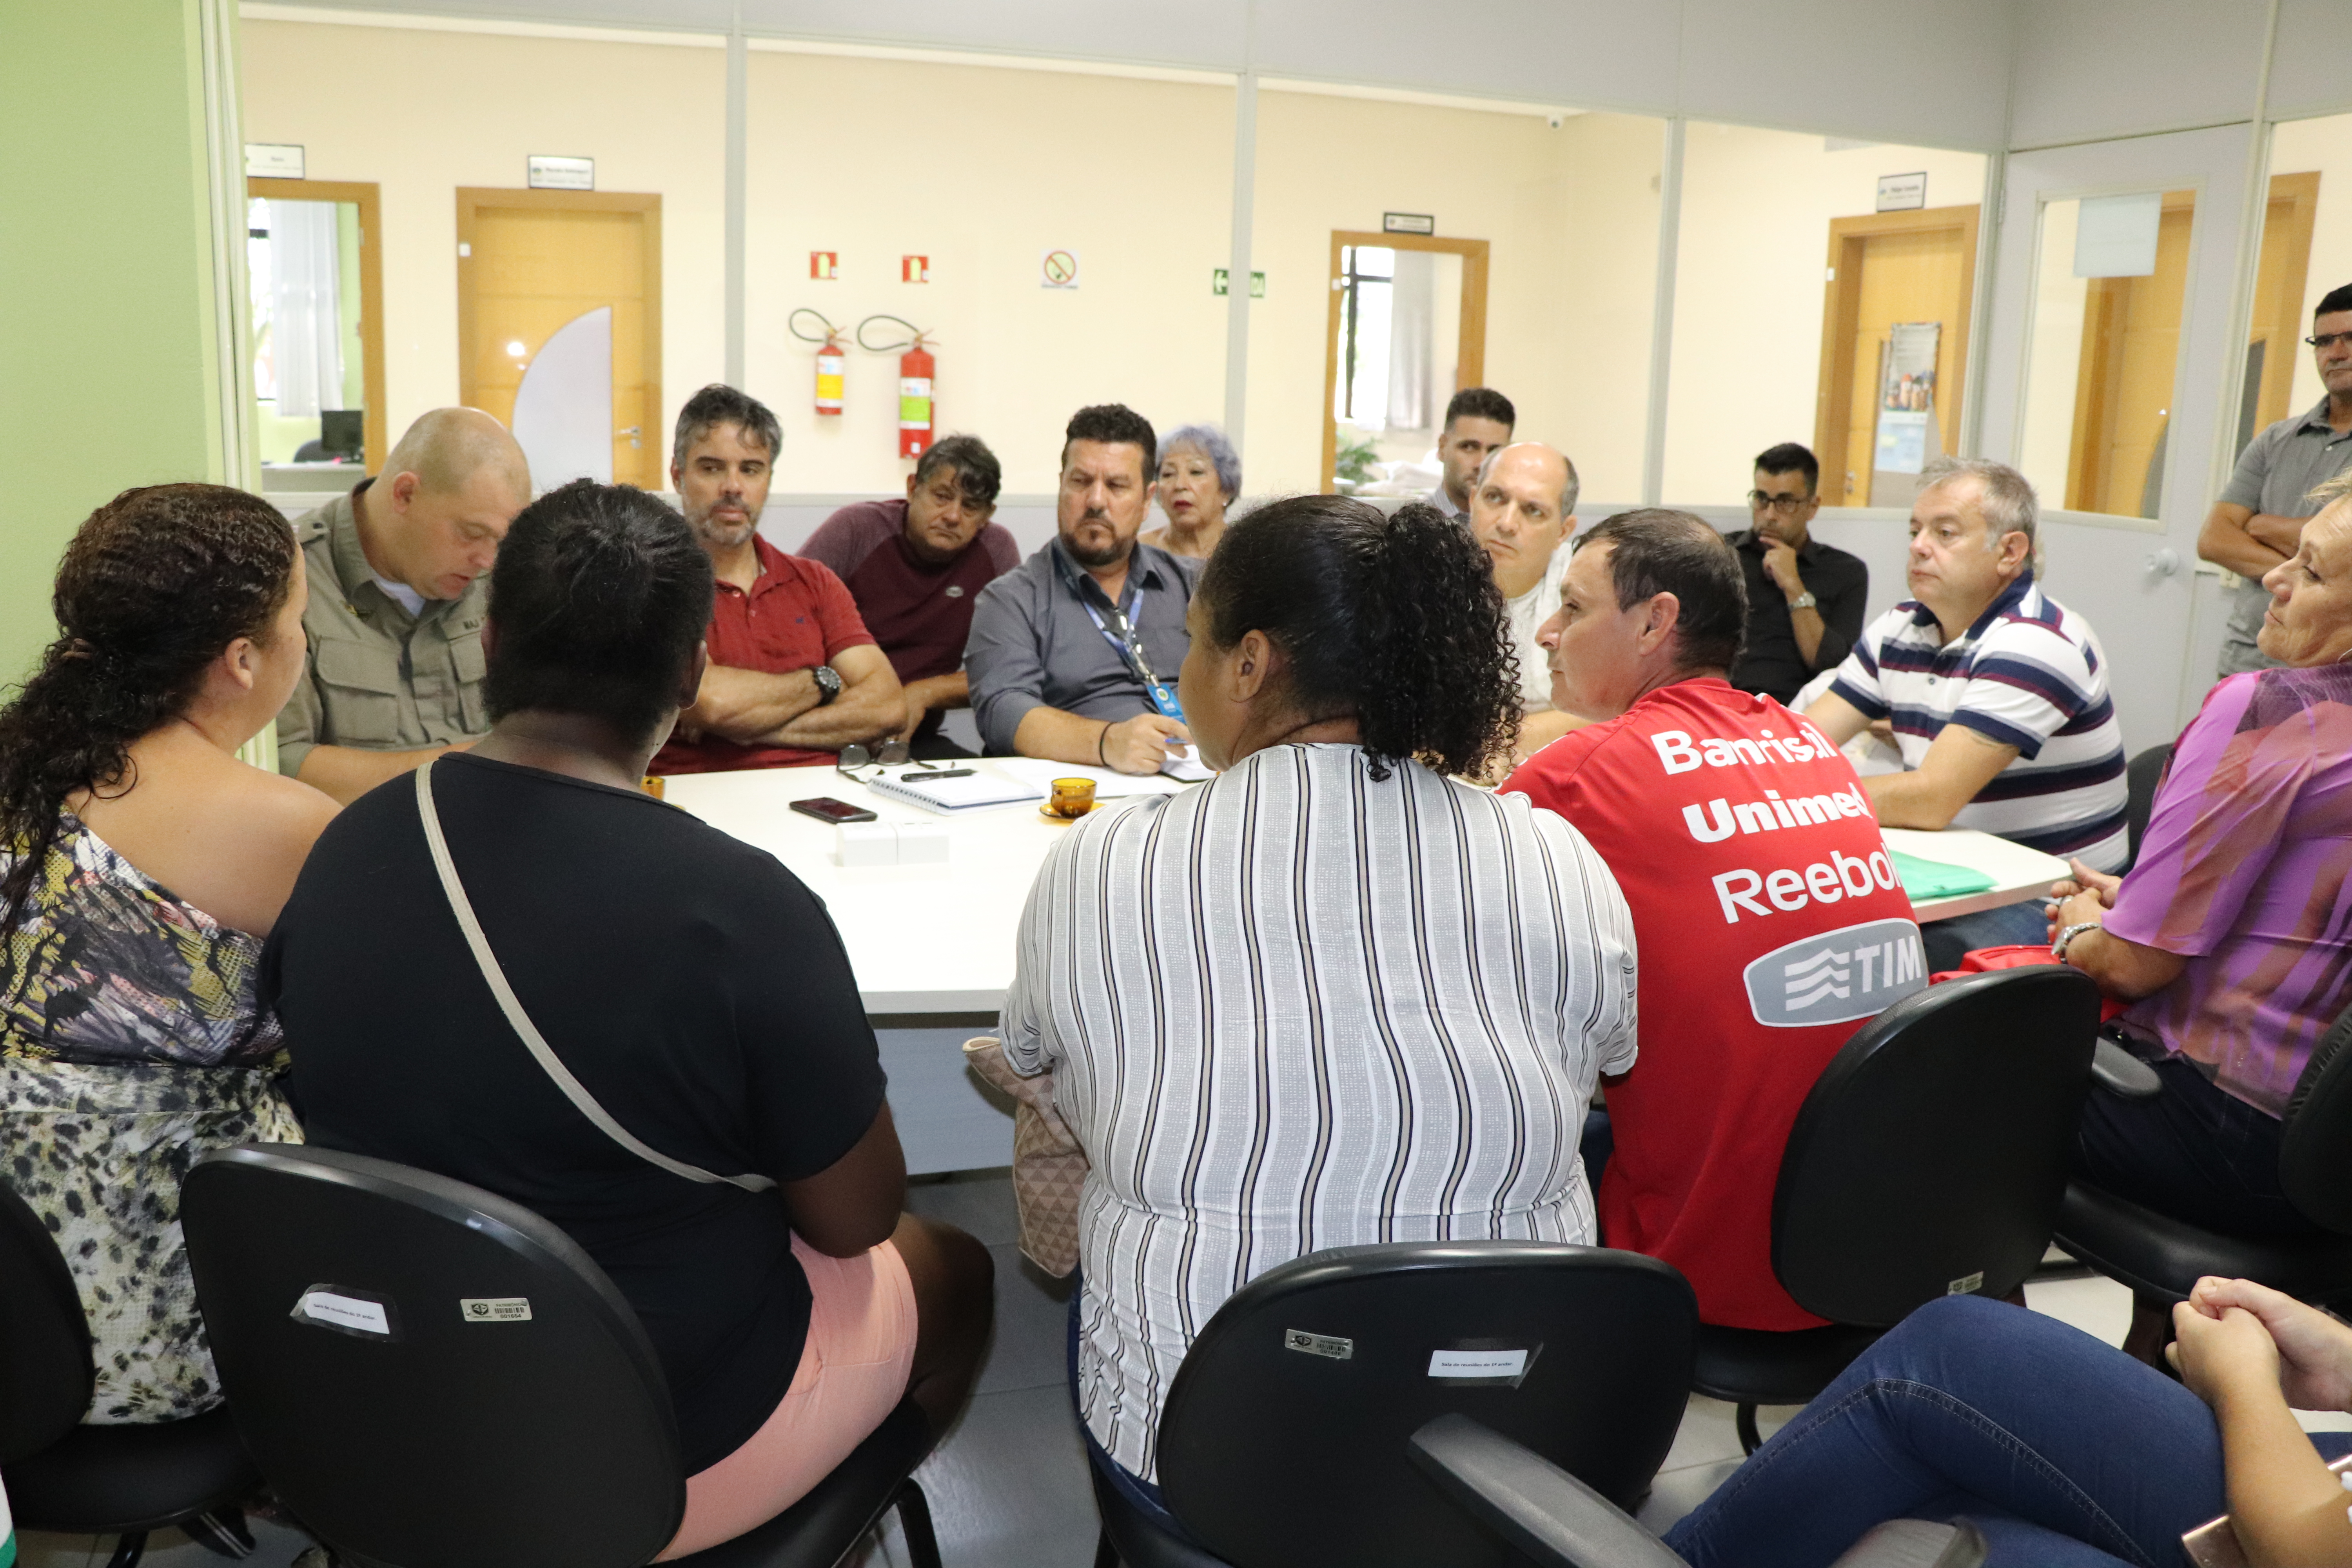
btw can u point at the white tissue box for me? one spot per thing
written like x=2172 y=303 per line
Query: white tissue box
x=922 y=843
x=866 y=844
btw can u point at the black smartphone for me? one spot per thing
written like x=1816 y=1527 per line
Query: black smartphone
x=824 y=808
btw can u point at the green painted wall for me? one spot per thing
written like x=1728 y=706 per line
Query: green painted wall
x=107 y=350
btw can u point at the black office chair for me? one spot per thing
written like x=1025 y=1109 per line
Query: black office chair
x=1285 y=1437
x=2141 y=775
x=1558 y=1521
x=2160 y=1258
x=119 y=1480
x=1928 y=1159
x=434 y=1377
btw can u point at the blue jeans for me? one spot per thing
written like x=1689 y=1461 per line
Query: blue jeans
x=2196 y=1152
x=2064 y=1452
x=1143 y=1496
x=2010 y=925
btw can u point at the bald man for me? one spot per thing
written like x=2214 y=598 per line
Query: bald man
x=399 y=587
x=1522 y=511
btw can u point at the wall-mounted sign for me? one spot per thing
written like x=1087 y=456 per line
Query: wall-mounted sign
x=1902 y=192
x=1058 y=269
x=563 y=174
x=273 y=161
x=1408 y=223
x=2115 y=237
x=825 y=266
x=914 y=269
x=1220 y=283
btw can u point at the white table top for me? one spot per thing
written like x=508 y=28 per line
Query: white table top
x=939 y=938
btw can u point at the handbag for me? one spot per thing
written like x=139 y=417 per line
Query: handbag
x=1049 y=1169
x=550 y=1063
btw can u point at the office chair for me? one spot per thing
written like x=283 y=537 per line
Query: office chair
x=2141 y=775
x=1928 y=1159
x=1284 y=1439
x=1558 y=1521
x=119 y=1480
x=434 y=1377
x=2160 y=1258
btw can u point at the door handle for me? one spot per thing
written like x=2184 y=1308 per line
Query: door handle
x=628 y=430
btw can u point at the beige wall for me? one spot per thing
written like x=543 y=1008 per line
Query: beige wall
x=1747 y=287
x=423 y=112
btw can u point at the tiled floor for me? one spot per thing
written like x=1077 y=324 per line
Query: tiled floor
x=1008 y=1489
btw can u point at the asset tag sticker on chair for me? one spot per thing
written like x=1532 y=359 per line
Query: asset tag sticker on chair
x=1329 y=1345
x=359 y=1313
x=1509 y=1364
x=494 y=1308
x=1966 y=1285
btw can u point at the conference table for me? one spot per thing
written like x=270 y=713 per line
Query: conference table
x=932 y=943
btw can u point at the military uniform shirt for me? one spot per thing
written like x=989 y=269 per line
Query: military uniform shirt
x=379 y=679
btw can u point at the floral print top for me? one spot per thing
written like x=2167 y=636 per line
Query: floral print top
x=131 y=1042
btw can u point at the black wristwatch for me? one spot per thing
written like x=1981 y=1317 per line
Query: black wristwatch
x=828 y=683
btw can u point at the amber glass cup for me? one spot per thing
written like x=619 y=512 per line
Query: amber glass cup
x=1072 y=797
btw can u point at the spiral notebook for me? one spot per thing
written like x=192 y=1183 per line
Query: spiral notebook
x=948 y=797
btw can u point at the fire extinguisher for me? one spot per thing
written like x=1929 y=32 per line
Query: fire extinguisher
x=829 y=365
x=917 y=412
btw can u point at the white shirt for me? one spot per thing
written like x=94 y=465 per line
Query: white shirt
x=407 y=597
x=1297 y=1008
x=1527 y=614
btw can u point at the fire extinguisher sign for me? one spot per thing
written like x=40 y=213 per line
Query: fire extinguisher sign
x=914 y=269
x=1058 y=269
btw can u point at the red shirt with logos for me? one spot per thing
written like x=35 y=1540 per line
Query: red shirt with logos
x=1770 y=926
x=796 y=617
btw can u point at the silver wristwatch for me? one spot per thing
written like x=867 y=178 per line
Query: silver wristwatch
x=1803 y=602
x=2066 y=938
x=828 y=683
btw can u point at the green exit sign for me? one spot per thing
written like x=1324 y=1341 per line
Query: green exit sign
x=1220 y=283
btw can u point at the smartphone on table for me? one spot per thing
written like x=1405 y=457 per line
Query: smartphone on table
x=824 y=808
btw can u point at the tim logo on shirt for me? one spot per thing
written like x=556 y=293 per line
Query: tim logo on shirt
x=1837 y=976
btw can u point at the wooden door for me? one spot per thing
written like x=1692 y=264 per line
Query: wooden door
x=531 y=262
x=1470 y=362
x=1887 y=268
x=2276 y=346
x=2130 y=356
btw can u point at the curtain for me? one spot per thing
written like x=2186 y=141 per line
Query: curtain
x=1412 y=318
x=305 y=308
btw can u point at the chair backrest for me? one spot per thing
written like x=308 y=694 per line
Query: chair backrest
x=2141 y=775
x=1930 y=1157
x=1283 y=1441
x=46 y=1376
x=429 y=1375
x=2316 y=1147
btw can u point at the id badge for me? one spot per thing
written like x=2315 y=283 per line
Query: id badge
x=1163 y=701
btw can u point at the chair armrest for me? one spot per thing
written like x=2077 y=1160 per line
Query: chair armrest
x=1531 y=1503
x=1916 y=1543
x=2122 y=1074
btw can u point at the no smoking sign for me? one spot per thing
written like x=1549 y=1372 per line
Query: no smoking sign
x=1058 y=269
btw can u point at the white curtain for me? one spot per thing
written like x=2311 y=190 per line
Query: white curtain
x=1412 y=316
x=306 y=320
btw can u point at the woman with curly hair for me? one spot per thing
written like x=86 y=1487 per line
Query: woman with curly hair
x=141 y=865
x=1331 y=996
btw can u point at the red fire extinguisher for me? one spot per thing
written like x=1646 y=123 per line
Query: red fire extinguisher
x=829 y=363
x=918 y=412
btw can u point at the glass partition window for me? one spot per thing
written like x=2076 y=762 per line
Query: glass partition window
x=1400 y=352
x=2110 y=281
x=302 y=263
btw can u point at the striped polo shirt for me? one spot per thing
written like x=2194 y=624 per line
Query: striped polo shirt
x=2028 y=673
x=1301 y=1007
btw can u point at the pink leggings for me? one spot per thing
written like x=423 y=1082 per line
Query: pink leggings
x=852 y=1373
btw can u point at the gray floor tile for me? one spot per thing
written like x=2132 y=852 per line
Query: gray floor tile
x=978 y=1201
x=1032 y=1347
x=1008 y=1489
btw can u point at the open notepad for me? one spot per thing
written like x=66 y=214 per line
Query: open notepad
x=951 y=795
x=1108 y=785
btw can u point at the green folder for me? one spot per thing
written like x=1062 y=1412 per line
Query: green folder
x=1926 y=879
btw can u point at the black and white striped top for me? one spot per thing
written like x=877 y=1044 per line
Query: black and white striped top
x=1294 y=1009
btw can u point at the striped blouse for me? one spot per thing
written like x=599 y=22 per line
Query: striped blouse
x=1299 y=1008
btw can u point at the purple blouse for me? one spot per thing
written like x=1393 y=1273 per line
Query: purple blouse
x=2242 y=872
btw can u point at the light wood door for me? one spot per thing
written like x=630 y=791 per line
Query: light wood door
x=1470 y=350
x=530 y=263
x=1884 y=269
x=2131 y=354
x=2275 y=347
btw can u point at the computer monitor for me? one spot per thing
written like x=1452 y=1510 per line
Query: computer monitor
x=343 y=432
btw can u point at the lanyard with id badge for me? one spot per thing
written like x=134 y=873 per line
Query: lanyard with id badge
x=1120 y=630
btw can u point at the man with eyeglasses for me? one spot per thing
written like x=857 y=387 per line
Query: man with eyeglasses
x=2258 y=523
x=1805 y=598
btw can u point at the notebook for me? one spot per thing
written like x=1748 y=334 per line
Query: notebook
x=951 y=795
x=1925 y=880
x=1108 y=785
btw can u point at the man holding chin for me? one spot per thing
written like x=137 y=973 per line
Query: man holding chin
x=1805 y=598
x=1074 y=653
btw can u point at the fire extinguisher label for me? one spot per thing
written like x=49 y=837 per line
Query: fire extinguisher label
x=914 y=402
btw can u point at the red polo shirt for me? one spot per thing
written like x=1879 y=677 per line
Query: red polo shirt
x=796 y=617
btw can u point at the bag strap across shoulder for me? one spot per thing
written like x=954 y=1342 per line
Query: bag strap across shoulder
x=552 y=1064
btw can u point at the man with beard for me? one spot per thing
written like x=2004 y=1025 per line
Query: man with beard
x=1074 y=653
x=1805 y=599
x=794 y=676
